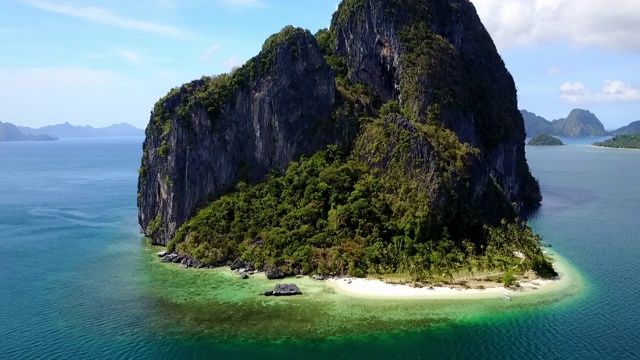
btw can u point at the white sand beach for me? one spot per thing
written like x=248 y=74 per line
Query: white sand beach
x=378 y=289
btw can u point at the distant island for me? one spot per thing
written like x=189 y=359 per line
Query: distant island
x=545 y=140
x=624 y=141
x=67 y=130
x=579 y=123
x=632 y=128
x=10 y=132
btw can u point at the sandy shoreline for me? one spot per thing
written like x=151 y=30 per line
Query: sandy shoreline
x=377 y=289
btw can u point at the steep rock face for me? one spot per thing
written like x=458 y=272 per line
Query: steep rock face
x=207 y=135
x=436 y=58
x=579 y=123
x=460 y=196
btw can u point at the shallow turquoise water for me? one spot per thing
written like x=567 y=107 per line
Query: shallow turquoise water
x=79 y=282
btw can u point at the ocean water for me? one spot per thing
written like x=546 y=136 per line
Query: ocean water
x=78 y=281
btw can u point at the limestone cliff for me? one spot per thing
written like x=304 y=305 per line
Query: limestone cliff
x=209 y=134
x=449 y=122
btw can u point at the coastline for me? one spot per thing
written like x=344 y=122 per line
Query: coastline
x=378 y=289
x=371 y=288
x=614 y=148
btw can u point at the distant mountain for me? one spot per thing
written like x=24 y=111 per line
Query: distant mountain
x=534 y=124
x=122 y=129
x=67 y=130
x=10 y=132
x=632 y=128
x=579 y=123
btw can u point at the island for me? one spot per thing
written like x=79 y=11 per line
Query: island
x=10 y=132
x=391 y=150
x=579 y=123
x=545 y=140
x=67 y=130
x=624 y=141
x=632 y=128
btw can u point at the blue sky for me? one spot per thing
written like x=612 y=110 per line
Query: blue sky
x=99 y=62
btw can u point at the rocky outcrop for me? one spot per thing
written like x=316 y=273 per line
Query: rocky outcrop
x=275 y=273
x=268 y=113
x=283 y=290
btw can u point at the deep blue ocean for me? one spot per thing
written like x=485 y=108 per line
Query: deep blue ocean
x=78 y=281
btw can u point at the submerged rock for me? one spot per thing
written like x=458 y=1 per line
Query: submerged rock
x=283 y=290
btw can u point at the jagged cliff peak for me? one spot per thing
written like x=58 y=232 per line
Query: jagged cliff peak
x=410 y=90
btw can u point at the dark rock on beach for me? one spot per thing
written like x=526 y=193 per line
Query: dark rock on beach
x=184 y=260
x=274 y=273
x=237 y=264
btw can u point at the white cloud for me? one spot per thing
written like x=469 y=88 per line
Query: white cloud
x=105 y=17
x=232 y=62
x=206 y=57
x=555 y=71
x=610 y=24
x=613 y=91
x=130 y=56
x=243 y=3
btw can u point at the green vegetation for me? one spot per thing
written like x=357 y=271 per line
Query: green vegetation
x=544 y=140
x=626 y=141
x=155 y=224
x=330 y=214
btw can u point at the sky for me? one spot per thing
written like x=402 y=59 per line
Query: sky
x=100 y=62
